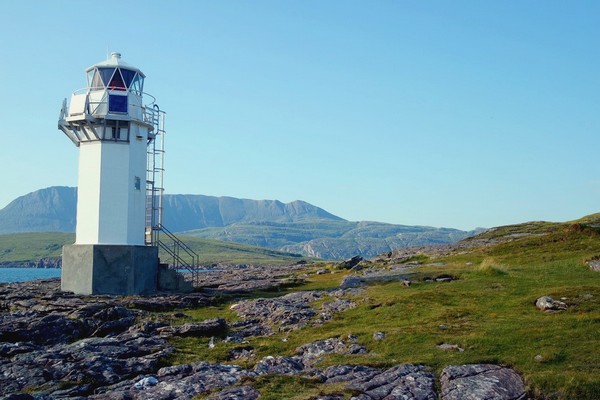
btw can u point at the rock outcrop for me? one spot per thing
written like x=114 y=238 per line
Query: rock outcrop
x=481 y=381
x=58 y=345
x=547 y=303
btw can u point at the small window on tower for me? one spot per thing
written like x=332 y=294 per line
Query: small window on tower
x=117 y=104
x=137 y=183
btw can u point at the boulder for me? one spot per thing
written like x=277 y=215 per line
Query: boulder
x=183 y=382
x=209 y=327
x=547 y=303
x=236 y=393
x=311 y=352
x=352 y=281
x=448 y=346
x=404 y=381
x=350 y=263
x=594 y=265
x=481 y=381
x=279 y=365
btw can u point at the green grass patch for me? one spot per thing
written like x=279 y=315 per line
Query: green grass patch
x=488 y=311
x=20 y=247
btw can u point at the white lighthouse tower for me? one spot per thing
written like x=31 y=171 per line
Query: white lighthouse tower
x=115 y=125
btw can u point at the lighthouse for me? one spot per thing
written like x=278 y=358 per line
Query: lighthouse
x=116 y=127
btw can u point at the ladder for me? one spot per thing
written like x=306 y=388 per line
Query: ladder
x=181 y=256
x=154 y=174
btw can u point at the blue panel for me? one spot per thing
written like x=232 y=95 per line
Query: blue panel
x=117 y=104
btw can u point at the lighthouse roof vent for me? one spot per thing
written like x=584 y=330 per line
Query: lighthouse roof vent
x=115 y=61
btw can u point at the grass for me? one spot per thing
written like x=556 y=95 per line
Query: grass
x=20 y=247
x=489 y=311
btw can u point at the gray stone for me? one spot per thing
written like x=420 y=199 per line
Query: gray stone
x=236 y=393
x=352 y=281
x=448 y=346
x=481 y=381
x=179 y=382
x=289 y=312
x=346 y=373
x=209 y=327
x=547 y=303
x=311 y=352
x=404 y=381
x=350 y=263
x=594 y=265
x=279 y=365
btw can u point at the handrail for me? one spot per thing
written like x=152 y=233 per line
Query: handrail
x=178 y=261
x=89 y=89
x=195 y=257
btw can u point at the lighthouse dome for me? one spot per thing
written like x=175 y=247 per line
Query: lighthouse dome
x=115 y=74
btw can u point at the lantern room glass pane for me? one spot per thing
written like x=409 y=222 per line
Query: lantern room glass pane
x=136 y=86
x=127 y=76
x=106 y=74
x=96 y=81
x=90 y=77
x=116 y=82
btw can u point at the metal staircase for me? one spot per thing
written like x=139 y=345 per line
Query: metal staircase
x=179 y=255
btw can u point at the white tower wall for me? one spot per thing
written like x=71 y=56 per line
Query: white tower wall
x=111 y=202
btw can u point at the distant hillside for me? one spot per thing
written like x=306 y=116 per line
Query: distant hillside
x=44 y=249
x=333 y=239
x=296 y=227
x=46 y=210
x=186 y=212
x=53 y=210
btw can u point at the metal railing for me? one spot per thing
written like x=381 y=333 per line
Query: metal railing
x=92 y=107
x=180 y=255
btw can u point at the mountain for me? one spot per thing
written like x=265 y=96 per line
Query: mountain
x=183 y=212
x=47 y=210
x=296 y=227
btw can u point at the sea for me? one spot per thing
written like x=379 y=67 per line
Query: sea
x=27 y=274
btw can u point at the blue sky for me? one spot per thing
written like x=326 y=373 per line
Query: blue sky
x=443 y=113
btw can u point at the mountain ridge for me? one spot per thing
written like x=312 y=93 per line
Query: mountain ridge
x=297 y=227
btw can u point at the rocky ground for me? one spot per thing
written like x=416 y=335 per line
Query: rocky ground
x=56 y=345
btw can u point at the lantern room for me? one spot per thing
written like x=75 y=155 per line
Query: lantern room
x=112 y=100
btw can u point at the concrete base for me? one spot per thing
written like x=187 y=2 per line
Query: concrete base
x=170 y=280
x=109 y=269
